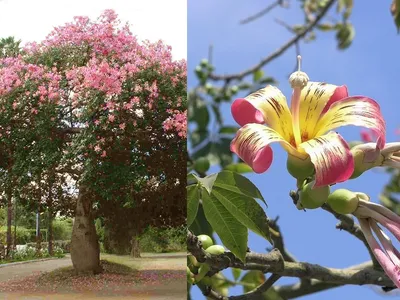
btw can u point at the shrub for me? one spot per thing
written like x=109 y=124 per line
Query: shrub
x=62 y=229
x=163 y=240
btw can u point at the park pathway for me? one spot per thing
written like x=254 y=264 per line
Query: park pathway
x=174 y=290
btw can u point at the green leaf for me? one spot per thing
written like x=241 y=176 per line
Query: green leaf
x=200 y=113
x=207 y=182
x=396 y=13
x=191 y=179
x=245 y=209
x=236 y=273
x=257 y=75
x=252 y=280
x=192 y=203
x=345 y=35
x=201 y=225
x=267 y=80
x=239 y=168
x=228 y=129
x=272 y=294
x=196 y=137
x=239 y=184
x=325 y=27
x=231 y=232
x=217 y=112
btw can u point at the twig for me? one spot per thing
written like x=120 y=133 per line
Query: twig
x=262 y=12
x=257 y=293
x=296 y=290
x=278 y=52
x=347 y=224
x=273 y=263
x=302 y=288
x=278 y=241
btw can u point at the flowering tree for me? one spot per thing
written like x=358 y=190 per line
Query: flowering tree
x=94 y=103
x=224 y=206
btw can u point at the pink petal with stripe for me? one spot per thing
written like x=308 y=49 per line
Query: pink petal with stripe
x=251 y=144
x=331 y=157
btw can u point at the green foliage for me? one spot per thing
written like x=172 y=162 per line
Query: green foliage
x=395 y=9
x=62 y=229
x=24 y=235
x=30 y=253
x=230 y=206
x=162 y=240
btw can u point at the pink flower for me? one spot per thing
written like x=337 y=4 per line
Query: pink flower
x=34 y=111
x=122 y=126
x=97 y=148
x=370 y=216
x=96 y=122
x=104 y=154
x=111 y=118
x=305 y=130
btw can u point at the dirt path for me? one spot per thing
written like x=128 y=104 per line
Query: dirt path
x=172 y=290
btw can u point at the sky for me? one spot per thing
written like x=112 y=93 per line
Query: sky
x=151 y=19
x=369 y=67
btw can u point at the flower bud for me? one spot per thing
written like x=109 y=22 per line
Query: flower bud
x=366 y=156
x=312 y=198
x=343 y=201
x=216 y=250
x=205 y=240
x=299 y=168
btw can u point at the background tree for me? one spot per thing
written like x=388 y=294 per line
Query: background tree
x=92 y=103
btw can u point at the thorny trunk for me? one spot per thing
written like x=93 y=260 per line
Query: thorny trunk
x=85 y=250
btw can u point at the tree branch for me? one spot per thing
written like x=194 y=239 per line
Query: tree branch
x=273 y=263
x=278 y=240
x=347 y=224
x=262 y=12
x=299 y=289
x=278 y=52
x=257 y=293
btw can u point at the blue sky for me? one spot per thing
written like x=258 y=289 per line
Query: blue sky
x=369 y=67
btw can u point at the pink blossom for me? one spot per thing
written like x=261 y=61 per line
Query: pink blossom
x=104 y=154
x=97 y=148
x=111 y=118
x=370 y=215
x=122 y=126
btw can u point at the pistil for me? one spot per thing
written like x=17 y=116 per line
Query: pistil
x=298 y=80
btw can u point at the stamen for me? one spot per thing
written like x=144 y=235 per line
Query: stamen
x=298 y=80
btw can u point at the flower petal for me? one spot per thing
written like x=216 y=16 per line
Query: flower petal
x=359 y=111
x=251 y=144
x=267 y=105
x=331 y=157
x=390 y=269
x=315 y=99
x=385 y=242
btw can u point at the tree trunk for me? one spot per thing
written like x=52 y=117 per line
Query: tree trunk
x=50 y=231
x=85 y=249
x=135 y=250
x=9 y=220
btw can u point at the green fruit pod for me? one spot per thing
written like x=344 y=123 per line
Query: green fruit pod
x=299 y=168
x=216 y=250
x=312 y=198
x=205 y=240
x=343 y=201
